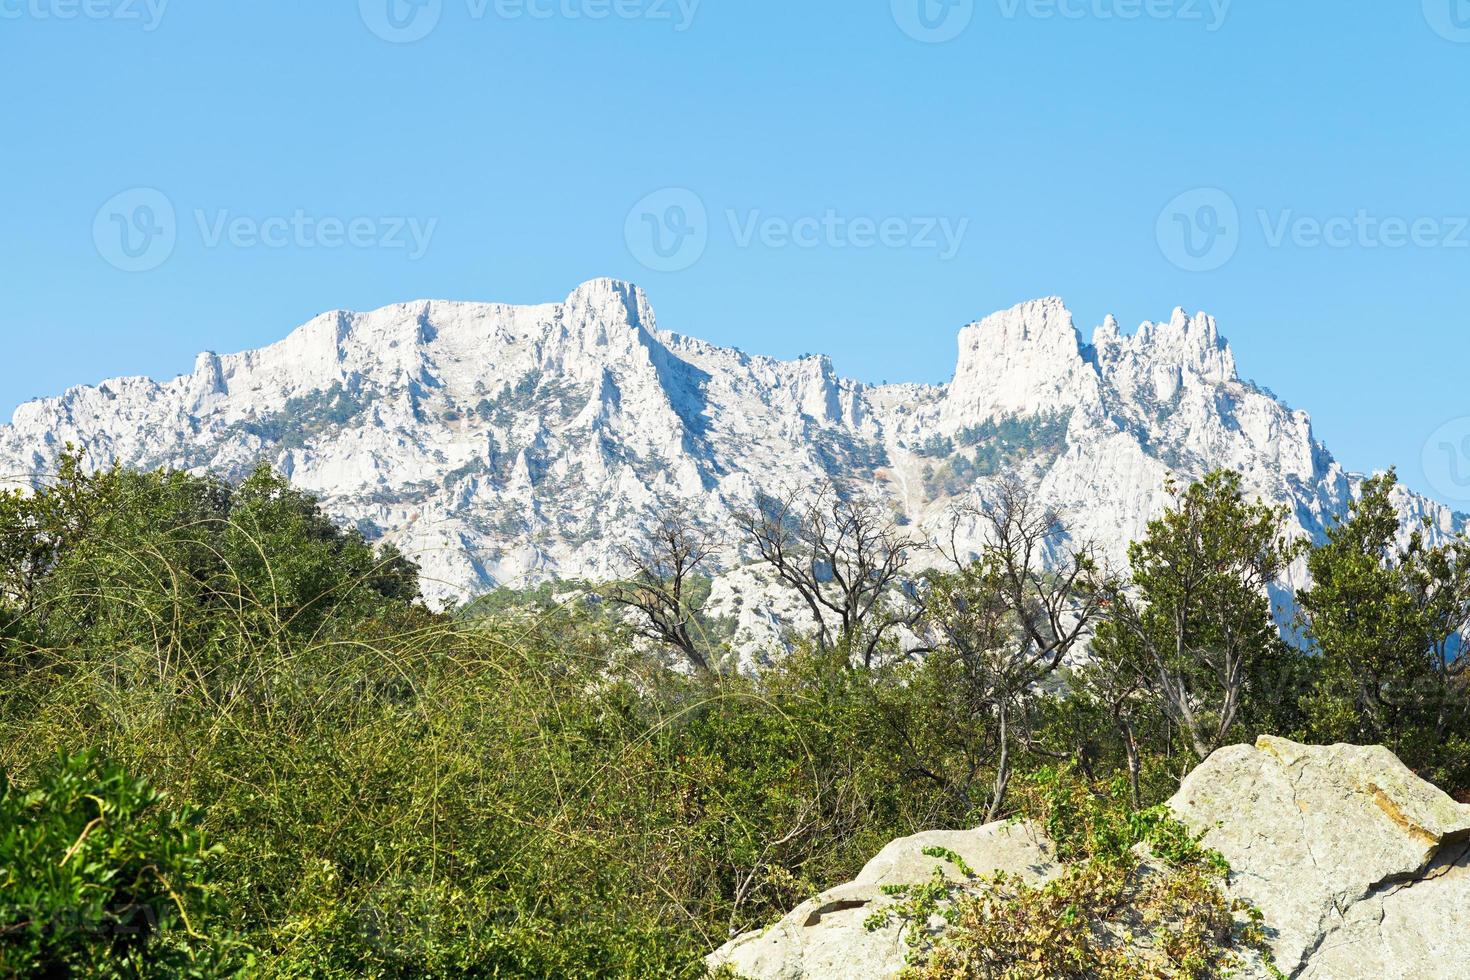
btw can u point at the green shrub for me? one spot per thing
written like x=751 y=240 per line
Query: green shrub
x=517 y=790
x=99 y=878
x=1107 y=914
x=400 y=793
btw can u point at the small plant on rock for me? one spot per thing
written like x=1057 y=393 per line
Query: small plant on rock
x=1137 y=897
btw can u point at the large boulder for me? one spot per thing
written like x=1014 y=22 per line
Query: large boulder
x=1361 y=868
x=826 y=937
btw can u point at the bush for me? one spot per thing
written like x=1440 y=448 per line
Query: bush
x=400 y=793
x=99 y=878
x=1108 y=914
x=513 y=790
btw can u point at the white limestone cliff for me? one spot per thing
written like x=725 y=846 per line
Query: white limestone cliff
x=504 y=445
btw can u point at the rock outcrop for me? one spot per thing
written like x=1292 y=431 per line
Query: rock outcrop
x=1361 y=869
x=827 y=937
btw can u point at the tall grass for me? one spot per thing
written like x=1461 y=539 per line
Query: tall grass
x=401 y=793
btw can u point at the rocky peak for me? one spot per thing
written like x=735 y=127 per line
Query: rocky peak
x=1023 y=361
x=602 y=323
x=608 y=312
x=820 y=389
x=1183 y=345
x=492 y=442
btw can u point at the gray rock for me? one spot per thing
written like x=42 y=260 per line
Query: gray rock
x=827 y=937
x=1416 y=928
x=1359 y=866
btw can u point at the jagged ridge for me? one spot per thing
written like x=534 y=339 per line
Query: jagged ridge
x=503 y=445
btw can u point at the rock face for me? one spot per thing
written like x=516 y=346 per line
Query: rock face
x=504 y=445
x=1361 y=868
x=825 y=937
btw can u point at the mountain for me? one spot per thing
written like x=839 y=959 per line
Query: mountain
x=507 y=445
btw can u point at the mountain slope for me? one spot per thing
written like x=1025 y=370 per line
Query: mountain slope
x=504 y=445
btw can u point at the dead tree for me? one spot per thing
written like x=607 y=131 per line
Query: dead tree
x=1054 y=592
x=844 y=555
x=1010 y=614
x=658 y=589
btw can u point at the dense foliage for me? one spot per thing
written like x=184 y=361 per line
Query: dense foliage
x=291 y=768
x=1387 y=617
x=99 y=878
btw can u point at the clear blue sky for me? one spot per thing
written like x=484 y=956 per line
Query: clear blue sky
x=523 y=134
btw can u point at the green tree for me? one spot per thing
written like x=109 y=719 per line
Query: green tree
x=125 y=558
x=1195 y=626
x=1386 y=614
x=36 y=529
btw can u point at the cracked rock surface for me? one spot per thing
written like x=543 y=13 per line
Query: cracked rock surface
x=1361 y=868
x=825 y=937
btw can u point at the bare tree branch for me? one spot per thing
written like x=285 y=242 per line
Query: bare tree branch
x=844 y=555
x=1007 y=617
x=658 y=588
